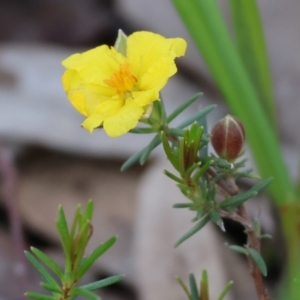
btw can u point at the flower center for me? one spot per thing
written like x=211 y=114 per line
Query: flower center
x=122 y=80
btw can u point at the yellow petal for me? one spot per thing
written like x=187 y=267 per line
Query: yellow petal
x=124 y=120
x=104 y=110
x=109 y=108
x=96 y=65
x=84 y=96
x=146 y=48
x=92 y=122
x=158 y=74
x=177 y=46
x=143 y=98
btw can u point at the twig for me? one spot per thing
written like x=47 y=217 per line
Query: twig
x=242 y=217
x=9 y=176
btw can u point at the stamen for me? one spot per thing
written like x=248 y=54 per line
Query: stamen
x=122 y=80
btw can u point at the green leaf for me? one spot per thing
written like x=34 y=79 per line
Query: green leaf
x=204 y=149
x=261 y=185
x=103 y=283
x=193 y=287
x=258 y=260
x=195 y=229
x=40 y=268
x=132 y=160
x=89 y=210
x=121 y=43
x=184 y=287
x=266 y=236
x=36 y=296
x=197 y=116
x=137 y=156
x=80 y=244
x=190 y=170
x=225 y=290
x=237 y=200
x=239 y=249
x=142 y=130
x=176 y=132
x=204 y=290
x=252 y=50
x=169 y=152
x=101 y=249
x=47 y=261
x=182 y=107
x=216 y=218
x=173 y=177
x=76 y=222
x=152 y=145
x=85 y=293
x=202 y=170
x=51 y=288
x=200 y=214
x=62 y=227
x=182 y=205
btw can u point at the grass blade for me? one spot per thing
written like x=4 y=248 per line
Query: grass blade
x=252 y=49
x=205 y=23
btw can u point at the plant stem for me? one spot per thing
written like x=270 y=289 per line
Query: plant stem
x=243 y=218
x=9 y=179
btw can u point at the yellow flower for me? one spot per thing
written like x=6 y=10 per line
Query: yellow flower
x=114 y=90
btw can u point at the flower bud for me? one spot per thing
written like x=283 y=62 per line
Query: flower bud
x=228 y=137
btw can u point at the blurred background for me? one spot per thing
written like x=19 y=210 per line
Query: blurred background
x=47 y=159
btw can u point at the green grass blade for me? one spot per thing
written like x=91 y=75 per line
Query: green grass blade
x=208 y=29
x=252 y=50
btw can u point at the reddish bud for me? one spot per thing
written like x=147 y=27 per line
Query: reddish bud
x=228 y=137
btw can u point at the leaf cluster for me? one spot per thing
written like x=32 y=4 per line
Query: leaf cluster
x=62 y=284
x=201 y=293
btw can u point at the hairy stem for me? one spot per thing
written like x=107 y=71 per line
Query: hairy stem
x=243 y=218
